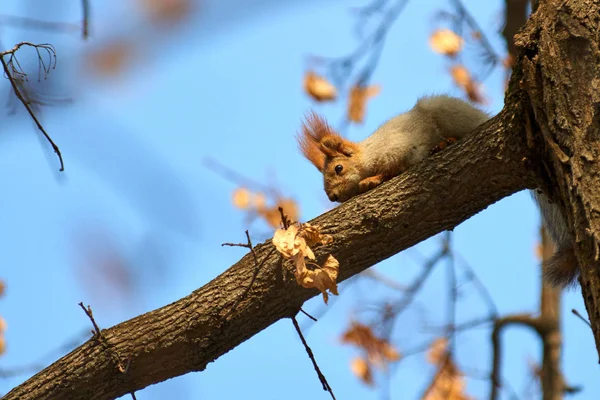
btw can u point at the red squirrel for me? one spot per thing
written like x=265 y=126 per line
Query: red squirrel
x=351 y=168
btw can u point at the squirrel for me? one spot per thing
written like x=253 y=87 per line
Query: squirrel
x=351 y=168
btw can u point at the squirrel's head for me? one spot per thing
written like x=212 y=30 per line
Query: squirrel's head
x=337 y=158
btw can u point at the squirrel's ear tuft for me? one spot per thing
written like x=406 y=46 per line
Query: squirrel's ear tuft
x=313 y=129
x=333 y=145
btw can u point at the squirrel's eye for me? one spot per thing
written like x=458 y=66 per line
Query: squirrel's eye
x=338 y=169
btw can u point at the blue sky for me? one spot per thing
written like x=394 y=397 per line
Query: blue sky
x=228 y=86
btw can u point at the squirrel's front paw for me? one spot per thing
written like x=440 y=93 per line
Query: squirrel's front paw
x=369 y=183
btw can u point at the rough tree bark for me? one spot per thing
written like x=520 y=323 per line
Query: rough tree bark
x=560 y=75
x=502 y=157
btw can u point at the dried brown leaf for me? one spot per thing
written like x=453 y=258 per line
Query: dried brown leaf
x=448 y=383
x=2 y=344
x=166 y=11
x=445 y=41
x=313 y=235
x=2 y=324
x=437 y=350
x=357 y=102
x=323 y=279
x=241 y=198
x=379 y=351
x=361 y=368
x=462 y=78
x=110 y=58
x=319 y=88
x=2 y=288
x=288 y=243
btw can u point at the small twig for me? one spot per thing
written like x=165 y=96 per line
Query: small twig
x=104 y=342
x=284 y=219
x=257 y=268
x=25 y=103
x=133 y=396
x=412 y=290
x=322 y=378
x=308 y=315
x=88 y=312
x=574 y=311
x=450 y=332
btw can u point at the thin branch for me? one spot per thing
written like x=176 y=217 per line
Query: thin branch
x=257 y=268
x=235 y=177
x=537 y=324
x=308 y=315
x=384 y=280
x=104 y=342
x=88 y=312
x=574 y=311
x=25 y=103
x=85 y=7
x=32 y=23
x=322 y=378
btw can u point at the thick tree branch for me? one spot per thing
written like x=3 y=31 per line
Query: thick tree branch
x=185 y=336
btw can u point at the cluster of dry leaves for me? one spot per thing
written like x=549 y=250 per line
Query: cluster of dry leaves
x=321 y=90
x=378 y=352
x=294 y=243
x=256 y=204
x=448 y=43
x=448 y=383
x=2 y=323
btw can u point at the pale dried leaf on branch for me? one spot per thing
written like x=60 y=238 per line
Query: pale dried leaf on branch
x=319 y=88
x=292 y=245
x=288 y=243
x=357 y=102
x=445 y=41
x=2 y=344
x=362 y=369
x=323 y=279
x=313 y=235
x=2 y=325
x=2 y=288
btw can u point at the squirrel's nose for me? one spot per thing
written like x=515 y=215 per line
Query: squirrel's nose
x=333 y=197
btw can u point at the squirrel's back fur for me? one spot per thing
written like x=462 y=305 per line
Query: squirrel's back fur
x=408 y=138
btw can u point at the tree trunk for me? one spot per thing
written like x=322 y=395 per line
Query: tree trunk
x=560 y=74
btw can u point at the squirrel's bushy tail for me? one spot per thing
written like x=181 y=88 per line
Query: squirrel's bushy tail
x=454 y=117
x=561 y=270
